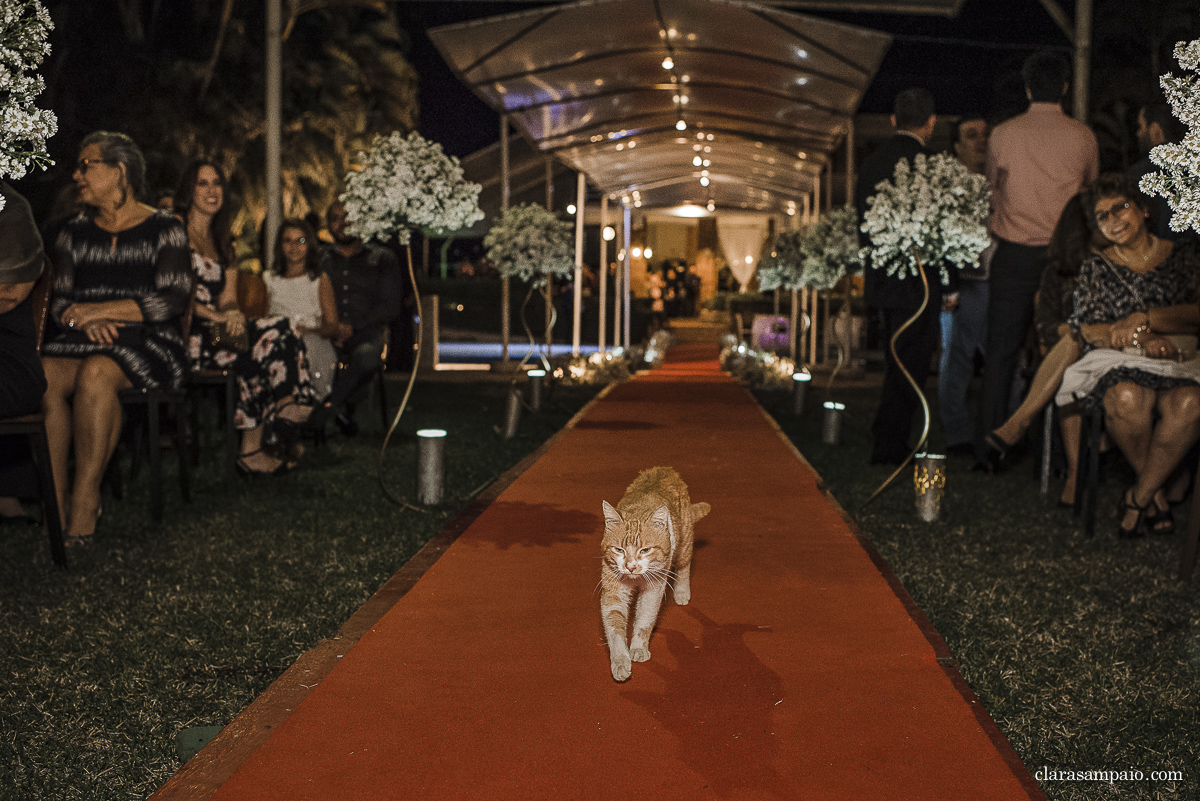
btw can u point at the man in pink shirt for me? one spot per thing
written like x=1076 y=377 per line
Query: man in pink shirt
x=1035 y=163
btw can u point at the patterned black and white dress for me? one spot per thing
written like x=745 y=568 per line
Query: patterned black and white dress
x=274 y=369
x=147 y=264
x=1108 y=292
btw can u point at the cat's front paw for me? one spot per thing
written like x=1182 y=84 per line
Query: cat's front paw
x=682 y=595
x=621 y=666
x=639 y=654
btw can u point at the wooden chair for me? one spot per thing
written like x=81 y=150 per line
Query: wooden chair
x=1191 y=535
x=1087 y=484
x=153 y=401
x=33 y=426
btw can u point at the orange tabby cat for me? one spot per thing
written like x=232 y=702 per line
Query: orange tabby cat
x=647 y=542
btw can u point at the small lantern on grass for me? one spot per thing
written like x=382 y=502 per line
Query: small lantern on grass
x=929 y=481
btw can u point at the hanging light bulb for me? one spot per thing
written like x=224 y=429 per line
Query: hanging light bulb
x=712 y=206
x=609 y=233
x=668 y=64
x=570 y=208
x=681 y=126
x=697 y=161
x=704 y=181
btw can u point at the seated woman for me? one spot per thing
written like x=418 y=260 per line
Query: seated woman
x=271 y=368
x=121 y=286
x=1072 y=242
x=22 y=382
x=299 y=291
x=1131 y=297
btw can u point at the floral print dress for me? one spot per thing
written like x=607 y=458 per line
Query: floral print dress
x=275 y=368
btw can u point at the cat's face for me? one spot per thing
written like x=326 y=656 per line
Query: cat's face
x=637 y=548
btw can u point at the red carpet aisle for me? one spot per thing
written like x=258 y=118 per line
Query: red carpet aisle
x=795 y=673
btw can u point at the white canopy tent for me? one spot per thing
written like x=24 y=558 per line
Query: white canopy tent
x=719 y=104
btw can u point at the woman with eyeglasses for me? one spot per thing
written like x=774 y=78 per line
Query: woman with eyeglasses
x=122 y=283
x=265 y=354
x=298 y=290
x=1135 y=313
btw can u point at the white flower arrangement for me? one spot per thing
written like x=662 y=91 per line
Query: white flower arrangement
x=529 y=242
x=407 y=183
x=24 y=41
x=1179 y=182
x=933 y=210
x=784 y=268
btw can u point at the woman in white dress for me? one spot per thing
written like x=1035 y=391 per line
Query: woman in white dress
x=299 y=291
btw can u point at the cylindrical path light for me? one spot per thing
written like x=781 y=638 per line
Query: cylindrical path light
x=431 y=465
x=512 y=412
x=831 y=428
x=536 y=379
x=800 y=381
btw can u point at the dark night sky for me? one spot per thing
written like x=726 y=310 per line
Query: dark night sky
x=962 y=78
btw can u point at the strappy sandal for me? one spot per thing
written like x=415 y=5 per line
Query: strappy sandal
x=247 y=471
x=1159 y=521
x=1129 y=504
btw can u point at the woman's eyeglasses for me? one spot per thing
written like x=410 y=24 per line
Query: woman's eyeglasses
x=1102 y=216
x=83 y=165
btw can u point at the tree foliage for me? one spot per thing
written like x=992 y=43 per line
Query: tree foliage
x=186 y=79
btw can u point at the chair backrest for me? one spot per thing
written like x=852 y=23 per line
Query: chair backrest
x=185 y=320
x=42 y=291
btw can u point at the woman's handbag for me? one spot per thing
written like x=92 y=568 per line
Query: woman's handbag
x=219 y=338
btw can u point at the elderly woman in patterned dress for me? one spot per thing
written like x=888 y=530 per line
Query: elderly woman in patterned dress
x=122 y=284
x=1133 y=301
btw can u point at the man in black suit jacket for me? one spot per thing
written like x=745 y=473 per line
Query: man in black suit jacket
x=899 y=298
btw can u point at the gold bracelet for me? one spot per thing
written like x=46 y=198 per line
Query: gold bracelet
x=1141 y=329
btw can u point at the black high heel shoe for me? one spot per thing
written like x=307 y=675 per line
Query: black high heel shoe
x=993 y=460
x=1130 y=504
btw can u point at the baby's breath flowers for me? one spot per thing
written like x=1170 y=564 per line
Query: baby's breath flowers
x=24 y=41
x=530 y=242
x=407 y=183
x=933 y=210
x=1179 y=182
x=816 y=256
x=784 y=268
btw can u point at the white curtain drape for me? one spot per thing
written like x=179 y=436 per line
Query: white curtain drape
x=742 y=240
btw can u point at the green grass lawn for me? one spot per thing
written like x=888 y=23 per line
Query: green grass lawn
x=154 y=629
x=1085 y=652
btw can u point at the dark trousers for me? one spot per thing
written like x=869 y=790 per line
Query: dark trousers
x=356 y=367
x=898 y=402
x=1015 y=276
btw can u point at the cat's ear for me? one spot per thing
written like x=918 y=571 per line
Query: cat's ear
x=612 y=518
x=661 y=518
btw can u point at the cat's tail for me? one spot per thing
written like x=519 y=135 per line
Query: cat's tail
x=699 y=510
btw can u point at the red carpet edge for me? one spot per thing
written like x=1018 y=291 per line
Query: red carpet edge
x=945 y=658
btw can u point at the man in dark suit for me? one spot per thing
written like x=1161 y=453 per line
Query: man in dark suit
x=899 y=298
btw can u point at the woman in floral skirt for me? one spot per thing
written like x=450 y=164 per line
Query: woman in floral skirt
x=272 y=369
